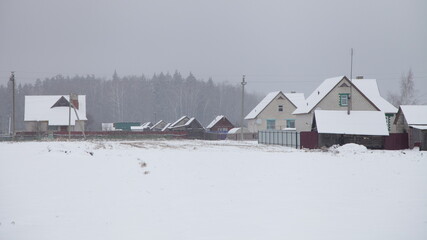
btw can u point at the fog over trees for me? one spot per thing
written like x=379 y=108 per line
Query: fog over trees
x=134 y=98
x=407 y=93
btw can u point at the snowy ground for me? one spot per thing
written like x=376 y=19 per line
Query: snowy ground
x=209 y=190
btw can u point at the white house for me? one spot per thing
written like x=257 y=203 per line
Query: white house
x=51 y=113
x=274 y=112
x=334 y=94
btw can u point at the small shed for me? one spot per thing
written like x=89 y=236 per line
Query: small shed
x=220 y=124
x=367 y=128
x=412 y=119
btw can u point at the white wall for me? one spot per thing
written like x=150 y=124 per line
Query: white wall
x=272 y=112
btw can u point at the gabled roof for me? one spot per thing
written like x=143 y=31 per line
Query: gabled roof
x=187 y=123
x=318 y=94
x=414 y=114
x=368 y=88
x=166 y=127
x=178 y=121
x=62 y=102
x=158 y=124
x=215 y=121
x=357 y=122
x=297 y=99
x=45 y=108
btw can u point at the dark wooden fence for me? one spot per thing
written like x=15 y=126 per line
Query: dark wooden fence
x=395 y=141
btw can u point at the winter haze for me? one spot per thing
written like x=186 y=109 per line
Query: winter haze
x=279 y=45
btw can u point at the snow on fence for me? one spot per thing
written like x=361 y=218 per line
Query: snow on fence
x=279 y=137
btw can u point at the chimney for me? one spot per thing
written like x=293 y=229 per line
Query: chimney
x=75 y=100
x=293 y=92
x=359 y=77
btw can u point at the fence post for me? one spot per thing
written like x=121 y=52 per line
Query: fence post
x=296 y=140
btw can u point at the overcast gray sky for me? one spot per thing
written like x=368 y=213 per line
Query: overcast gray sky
x=279 y=45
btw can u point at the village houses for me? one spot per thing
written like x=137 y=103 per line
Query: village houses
x=291 y=111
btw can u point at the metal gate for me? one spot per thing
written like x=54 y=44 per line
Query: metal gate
x=279 y=137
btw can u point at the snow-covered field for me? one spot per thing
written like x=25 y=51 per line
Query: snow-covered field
x=209 y=190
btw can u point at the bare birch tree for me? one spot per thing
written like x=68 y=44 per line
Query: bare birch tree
x=407 y=94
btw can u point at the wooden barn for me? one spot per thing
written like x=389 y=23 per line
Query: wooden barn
x=220 y=124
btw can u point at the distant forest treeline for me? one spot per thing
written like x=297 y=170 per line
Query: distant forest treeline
x=134 y=98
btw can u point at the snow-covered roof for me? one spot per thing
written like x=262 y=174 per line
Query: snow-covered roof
x=215 y=121
x=296 y=99
x=157 y=124
x=166 y=127
x=318 y=94
x=415 y=114
x=39 y=108
x=368 y=87
x=262 y=105
x=237 y=130
x=357 y=122
x=144 y=126
x=177 y=121
x=189 y=121
x=421 y=127
x=185 y=124
x=136 y=128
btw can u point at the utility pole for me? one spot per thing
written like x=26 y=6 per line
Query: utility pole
x=69 y=117
x=243 y=101
x=12 y=79
x=350 y=97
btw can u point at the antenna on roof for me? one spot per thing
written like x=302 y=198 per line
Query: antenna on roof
x=350 y=97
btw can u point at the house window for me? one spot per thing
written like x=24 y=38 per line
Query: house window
x=344 y=99
x=271 y=124
x=290 y=123
x=280 y=108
